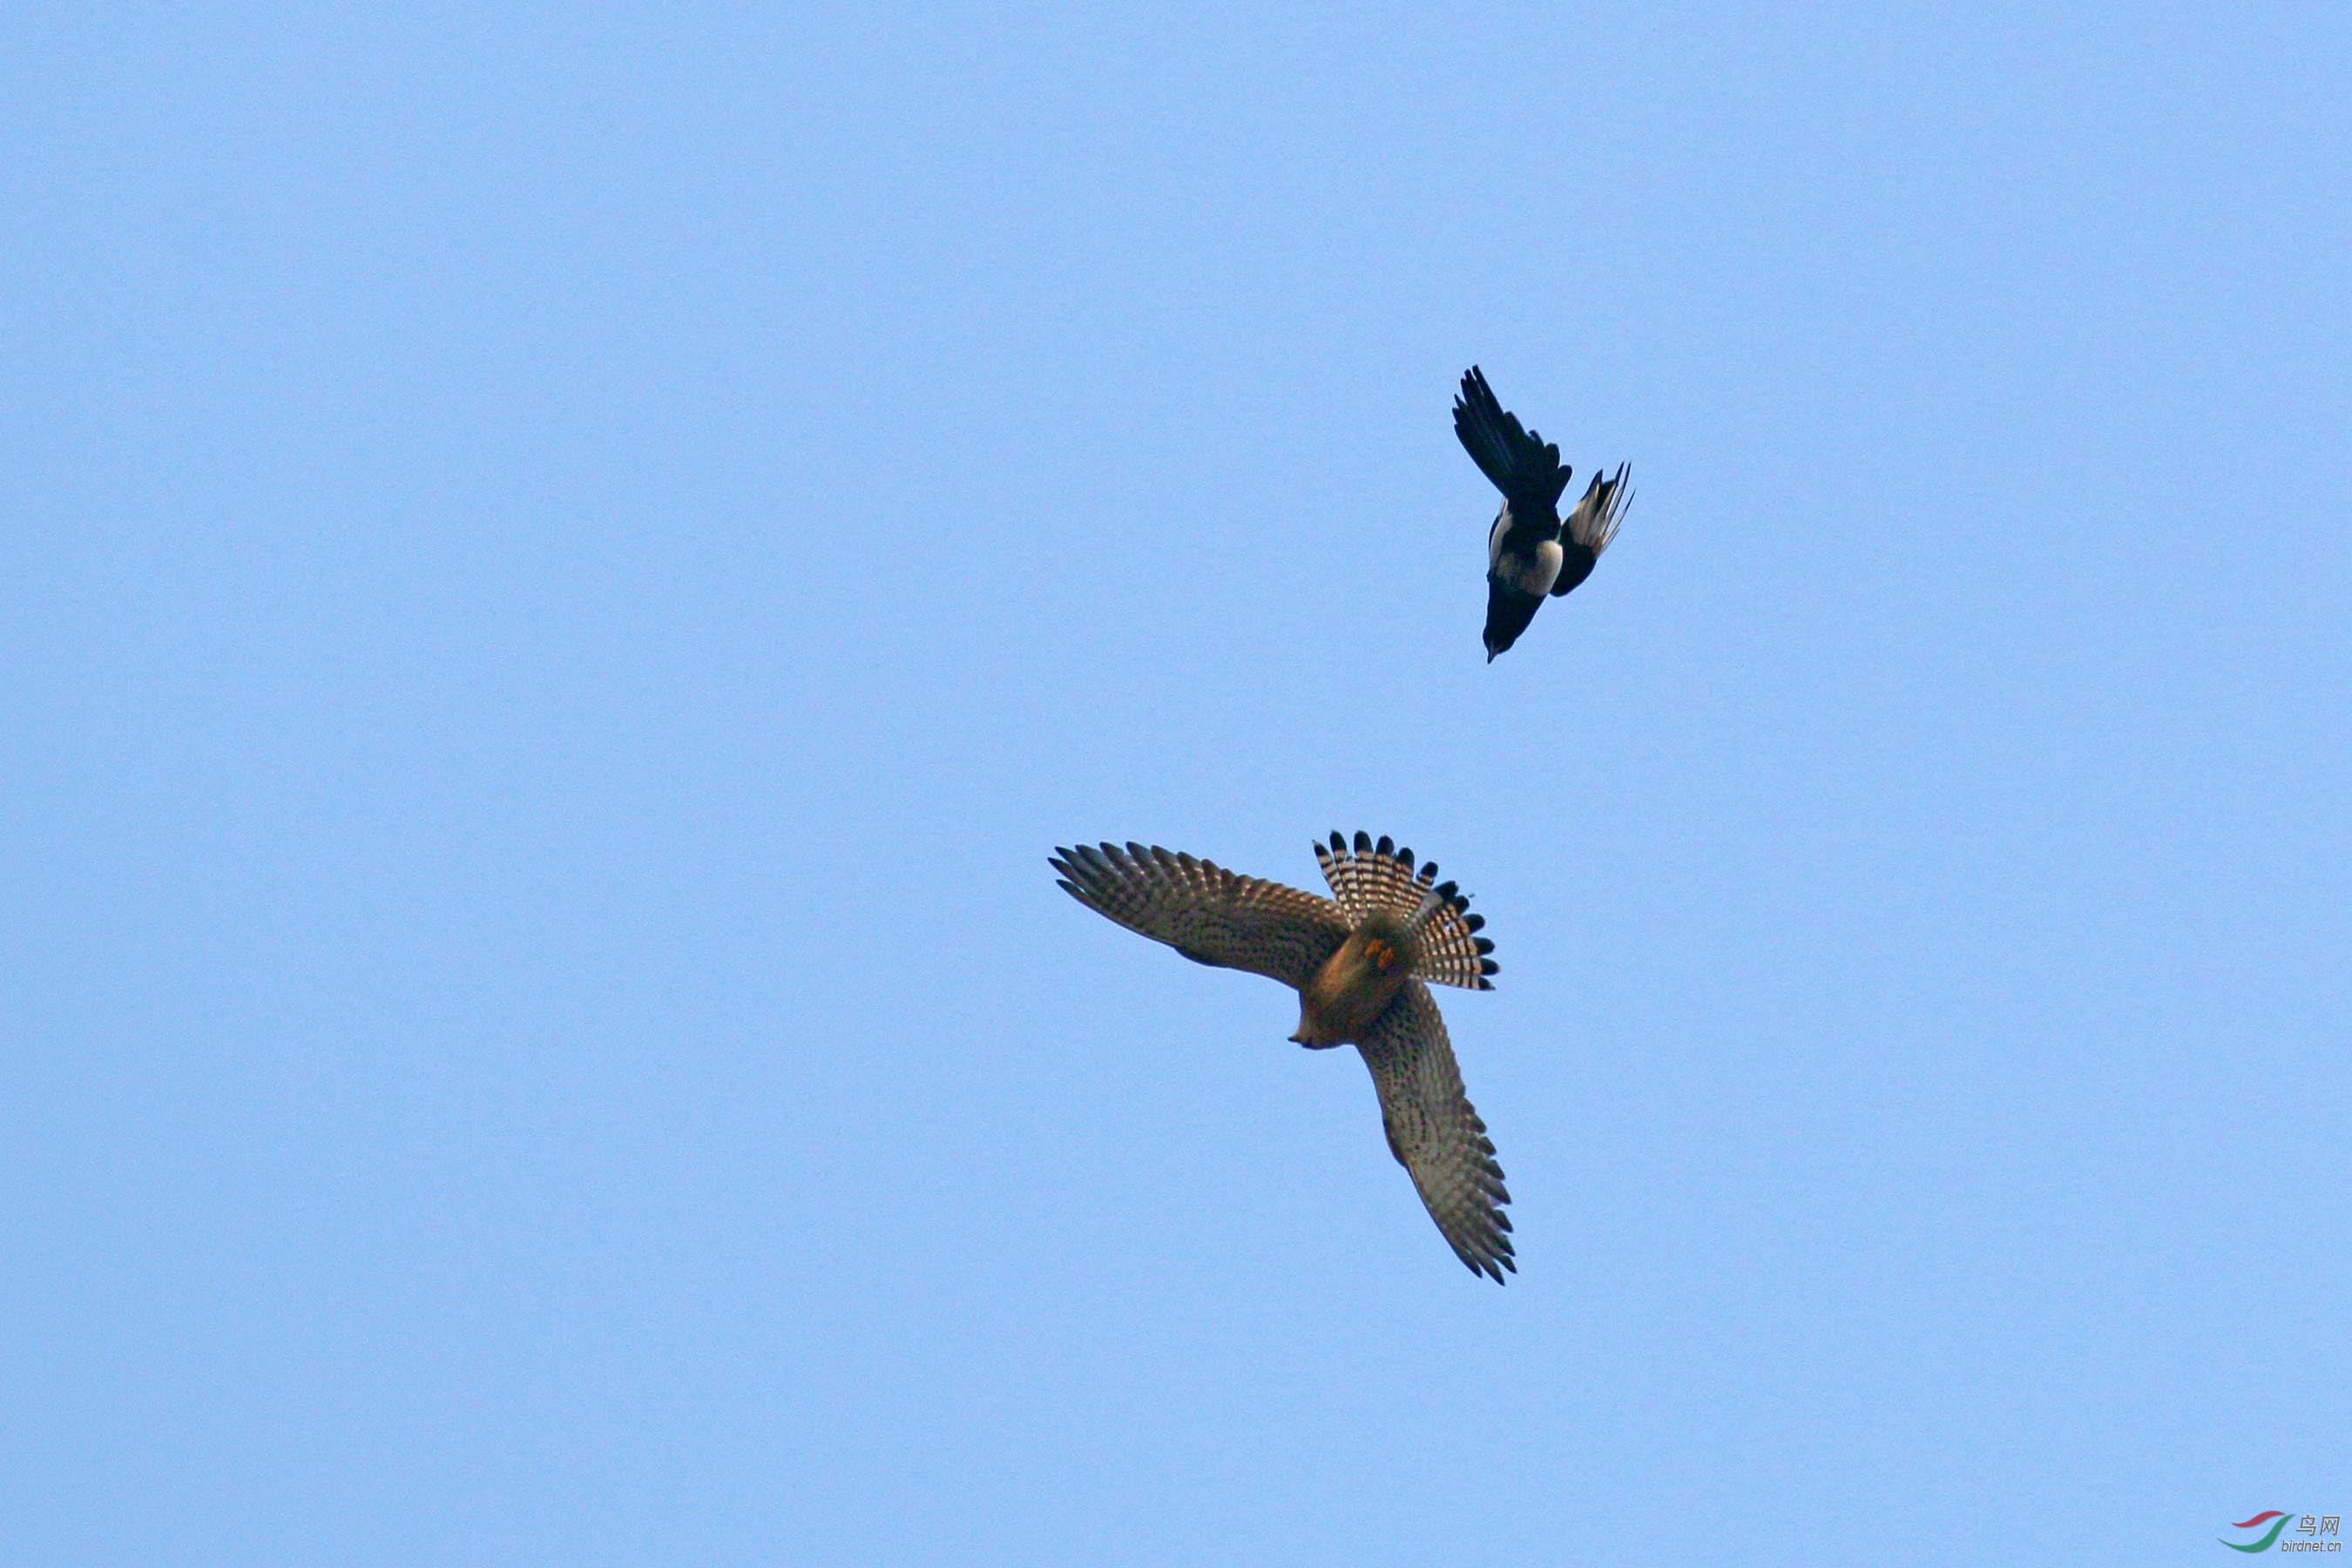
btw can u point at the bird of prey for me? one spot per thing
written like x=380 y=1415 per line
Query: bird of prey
x=1359 y=960
x=1529 y=552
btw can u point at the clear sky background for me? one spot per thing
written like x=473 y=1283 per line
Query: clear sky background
x=564 y=569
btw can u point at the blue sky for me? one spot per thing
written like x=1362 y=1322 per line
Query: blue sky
x=566 y=567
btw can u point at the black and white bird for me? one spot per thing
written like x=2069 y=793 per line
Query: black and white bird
x=1530 y=553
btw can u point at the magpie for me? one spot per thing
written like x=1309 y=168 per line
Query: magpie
x=1530 y=554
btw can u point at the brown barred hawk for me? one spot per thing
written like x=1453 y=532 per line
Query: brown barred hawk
x=1358 y=961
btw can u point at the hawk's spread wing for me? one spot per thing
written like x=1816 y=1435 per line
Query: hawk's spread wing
x=1434 y=1132
x=1207 y=913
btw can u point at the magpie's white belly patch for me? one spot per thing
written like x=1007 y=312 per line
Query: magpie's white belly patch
x=1533 y=574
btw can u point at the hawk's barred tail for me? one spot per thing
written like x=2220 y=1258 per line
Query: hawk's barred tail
x=1371 y=877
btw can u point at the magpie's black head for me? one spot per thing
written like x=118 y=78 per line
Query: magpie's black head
x=1509 y=611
